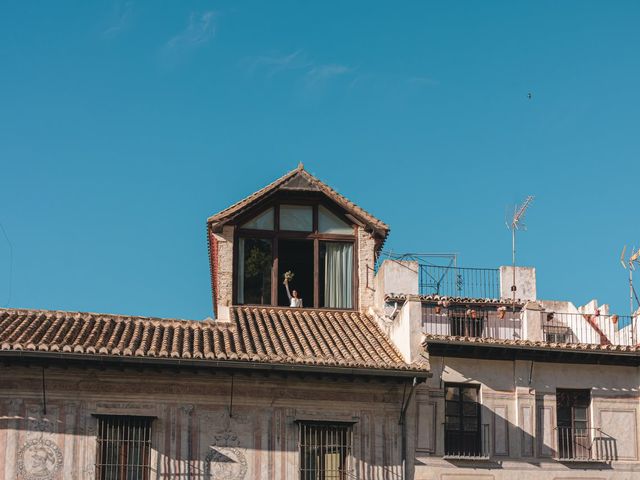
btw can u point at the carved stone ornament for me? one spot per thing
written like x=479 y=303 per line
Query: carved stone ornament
x=224 y=459
x=39 y=459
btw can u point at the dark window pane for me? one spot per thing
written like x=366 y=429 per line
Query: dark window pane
x=470 y=394
x=452 y=422
x=470 y=409
x=470 y=424
x=452 y=393
x=452 y=408
x=255 y=261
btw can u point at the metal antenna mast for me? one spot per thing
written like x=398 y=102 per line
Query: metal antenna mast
x=631 y=262
x=517 y=223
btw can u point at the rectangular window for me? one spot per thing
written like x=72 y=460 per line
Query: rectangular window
x=123 y=447
x=336 y=275
x=574 y=435
x=296 y=218
x=255 y=261
x=462 y=421
x=325 y=450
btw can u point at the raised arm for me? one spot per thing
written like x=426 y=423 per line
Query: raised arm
x=286 y=285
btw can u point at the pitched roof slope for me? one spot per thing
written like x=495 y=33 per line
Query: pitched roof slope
x=299 y=179
x=259 y=335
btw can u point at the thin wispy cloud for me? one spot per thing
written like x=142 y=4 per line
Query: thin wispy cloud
x=320 y=74
x=311 y=74
x=120 y=19
x=276 y=63
x=200 y=29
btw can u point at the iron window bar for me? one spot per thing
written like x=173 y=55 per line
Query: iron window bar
x=123 y=447
x=580 y=445
x=325 y=450
x=482 y=450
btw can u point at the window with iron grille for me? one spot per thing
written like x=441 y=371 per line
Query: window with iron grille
x=123 y=447
x=325 y=450
x=462 y=421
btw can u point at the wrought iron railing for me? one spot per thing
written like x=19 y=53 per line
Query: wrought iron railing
x=589 y=328
x=582 y=445
x=462 y=321
x=467 y=445
x=459 y=282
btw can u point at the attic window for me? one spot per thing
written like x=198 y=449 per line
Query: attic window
x=307 y=239
x=328 y=222
x=297 y=218
x=264 y=221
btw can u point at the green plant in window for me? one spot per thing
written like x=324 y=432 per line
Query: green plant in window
x=257 y=262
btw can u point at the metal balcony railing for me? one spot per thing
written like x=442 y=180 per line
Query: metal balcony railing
x=586 y=328
x=581 y=445
x=460 y=321
x=459 y=282
x=467 y=445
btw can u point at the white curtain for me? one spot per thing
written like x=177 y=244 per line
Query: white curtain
x=338 y=269
x=240 y=271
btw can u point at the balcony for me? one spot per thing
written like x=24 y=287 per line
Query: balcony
x=468 y=445
x=583 y=445
x=459 y=282
x=589 y=328
x=472 y=321
x=457 y=318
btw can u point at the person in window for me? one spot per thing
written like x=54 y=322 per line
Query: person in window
x=294 y=299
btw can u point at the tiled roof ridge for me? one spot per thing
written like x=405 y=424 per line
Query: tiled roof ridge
x=261 y=334
x=536 y=343
x=326 y=189
x=112 y=316
x=435 y=298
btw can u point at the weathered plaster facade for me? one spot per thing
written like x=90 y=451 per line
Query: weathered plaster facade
x=519 y=408
x=200 y=424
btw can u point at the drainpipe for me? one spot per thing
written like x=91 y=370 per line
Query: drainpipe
x=403 y=426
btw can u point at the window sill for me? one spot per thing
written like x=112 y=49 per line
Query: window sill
x=473 y=458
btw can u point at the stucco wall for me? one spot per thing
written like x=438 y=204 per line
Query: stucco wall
x=519 y=407
x=194 y=433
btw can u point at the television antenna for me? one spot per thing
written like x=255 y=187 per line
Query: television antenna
x=630 y=264
x=517 y=223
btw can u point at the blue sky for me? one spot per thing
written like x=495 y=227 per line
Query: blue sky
x=124 y=124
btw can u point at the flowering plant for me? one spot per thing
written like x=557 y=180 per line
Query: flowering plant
x=288 y=276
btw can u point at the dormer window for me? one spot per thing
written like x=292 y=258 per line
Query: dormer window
x=296 y=223
x=313 y=241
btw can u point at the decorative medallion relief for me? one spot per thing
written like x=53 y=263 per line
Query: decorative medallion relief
x=224 y=459
x=39 y=459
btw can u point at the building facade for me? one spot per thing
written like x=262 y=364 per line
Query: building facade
x=387 y=371
x=522 y=388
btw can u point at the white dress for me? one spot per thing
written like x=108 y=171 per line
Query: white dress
x=293 y=301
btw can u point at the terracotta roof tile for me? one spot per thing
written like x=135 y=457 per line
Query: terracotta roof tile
x=254 y=334
x=231 y=211
x=536 y=344
x=433 y=298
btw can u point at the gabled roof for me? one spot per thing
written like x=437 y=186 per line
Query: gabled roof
x=275 y=338
x=299 y=180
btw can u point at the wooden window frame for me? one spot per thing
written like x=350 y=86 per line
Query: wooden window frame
x=315 y=236
x=450 y=449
